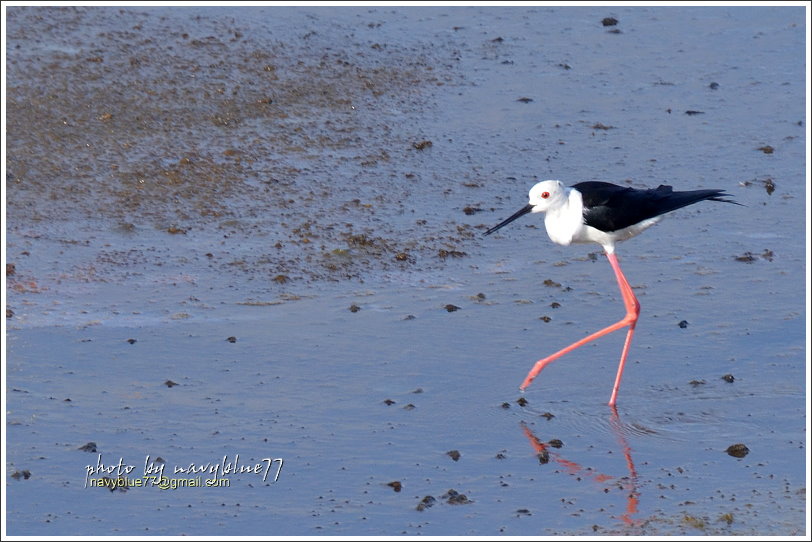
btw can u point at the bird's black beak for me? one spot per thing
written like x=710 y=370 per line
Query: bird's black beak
x=521 y=212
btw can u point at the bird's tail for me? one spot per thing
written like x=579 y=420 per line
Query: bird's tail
x=721 y=197
x=688 y=197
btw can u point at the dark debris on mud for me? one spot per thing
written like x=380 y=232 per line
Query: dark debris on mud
x=90 y=447
x=452 y=496
x=21 y=475
x=737 y=450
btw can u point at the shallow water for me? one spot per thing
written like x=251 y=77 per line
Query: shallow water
x=177 y=177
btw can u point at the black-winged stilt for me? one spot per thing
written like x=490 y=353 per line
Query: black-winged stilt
x=603 y=213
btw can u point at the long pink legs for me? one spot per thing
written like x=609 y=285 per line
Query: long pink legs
x=632 y=312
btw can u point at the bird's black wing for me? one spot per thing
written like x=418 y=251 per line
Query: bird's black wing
x=609 y=207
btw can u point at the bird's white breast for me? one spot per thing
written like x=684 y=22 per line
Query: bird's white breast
x=565 y=220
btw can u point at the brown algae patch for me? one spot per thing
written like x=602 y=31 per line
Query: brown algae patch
x=287 y=151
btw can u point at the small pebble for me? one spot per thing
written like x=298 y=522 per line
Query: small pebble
x=737 y=450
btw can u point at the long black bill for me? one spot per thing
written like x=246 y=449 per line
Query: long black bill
x=521 y=212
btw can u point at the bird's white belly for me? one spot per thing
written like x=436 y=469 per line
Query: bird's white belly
x=589 y=234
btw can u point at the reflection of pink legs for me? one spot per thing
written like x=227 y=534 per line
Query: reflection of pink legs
x=629 y=483
x=634 y=496
x=632 y=312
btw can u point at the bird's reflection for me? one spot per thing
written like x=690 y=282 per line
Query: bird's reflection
x=546 y=451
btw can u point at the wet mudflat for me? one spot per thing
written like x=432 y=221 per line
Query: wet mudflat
x=245 y=239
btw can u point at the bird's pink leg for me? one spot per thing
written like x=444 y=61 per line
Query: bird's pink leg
x=632 y=312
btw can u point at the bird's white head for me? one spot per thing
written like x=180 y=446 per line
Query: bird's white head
x=546 y=195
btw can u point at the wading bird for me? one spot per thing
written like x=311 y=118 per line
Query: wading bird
x=604 y=213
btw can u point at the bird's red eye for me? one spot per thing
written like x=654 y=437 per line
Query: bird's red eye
x=545 y=195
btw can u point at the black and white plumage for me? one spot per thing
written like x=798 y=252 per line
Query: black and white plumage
x=604 y=213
